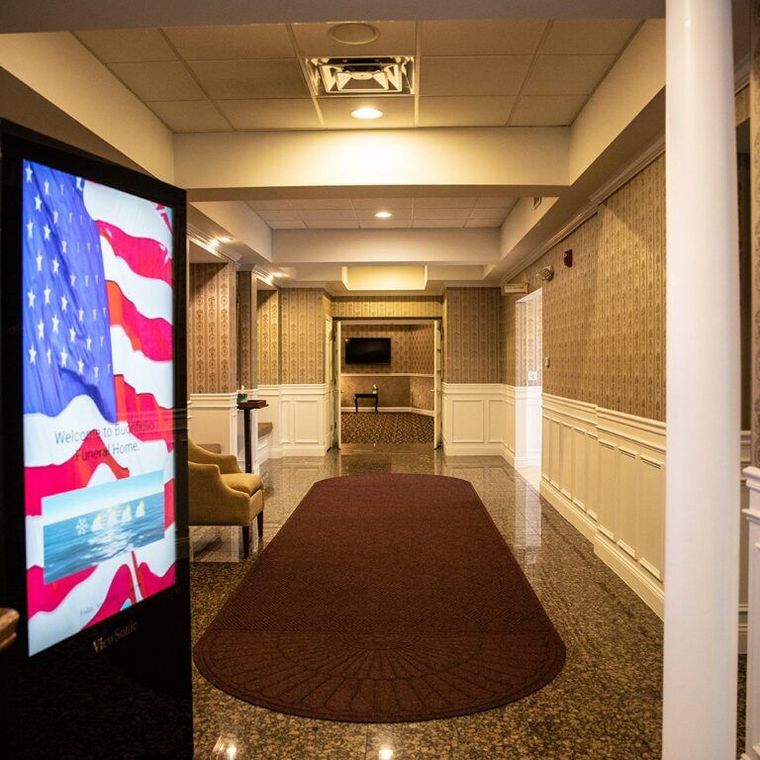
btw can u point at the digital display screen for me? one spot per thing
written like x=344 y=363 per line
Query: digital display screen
x=368 y=350
x=98 y=395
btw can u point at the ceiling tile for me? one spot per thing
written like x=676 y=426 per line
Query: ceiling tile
x=121 y=45
x=378 y=203
x=271 y=113
x=589 y=37
x=546 y=110
x=477 y=111
x=379 y=224
x=332 y=224
x=279 y=216
x=287 y=225
x=461 y=203
x=441 y=213
x=484 y=223
x=567 y=74
x=238 y=80
x=495 y=202
x=231 y=42
x=489 y=213
x=473 y=75
x=504 y=37
x=315 y=217
x=190 y=116
x=274 y=205
x=168 y=80
x=438 y=223
x=395 y=38
x=323 y=204
x=398 y=112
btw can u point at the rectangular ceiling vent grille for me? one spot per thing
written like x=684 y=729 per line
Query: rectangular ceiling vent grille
x=388 y=75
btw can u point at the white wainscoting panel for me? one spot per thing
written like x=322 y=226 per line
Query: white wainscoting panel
x=299 y=417
x=215 y=420
x=752 y=535
x=478 y=420
x=605 y=473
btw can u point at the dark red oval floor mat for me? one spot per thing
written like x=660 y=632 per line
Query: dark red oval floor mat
x=383 y=598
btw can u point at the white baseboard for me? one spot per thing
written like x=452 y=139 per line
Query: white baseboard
x=576 y=517
x=381 y=409
x=473 y=449
x=302 y=450
x=631 y=573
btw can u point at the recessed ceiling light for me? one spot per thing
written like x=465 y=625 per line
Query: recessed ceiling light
x=383 y=214
x=354 y=33
x=366 y=113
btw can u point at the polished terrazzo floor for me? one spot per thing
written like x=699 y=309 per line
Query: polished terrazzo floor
x=605 y=703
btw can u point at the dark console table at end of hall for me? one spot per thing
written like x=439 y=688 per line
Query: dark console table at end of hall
x=357 y=396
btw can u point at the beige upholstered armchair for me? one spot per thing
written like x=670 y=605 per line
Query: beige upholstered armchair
x=219 y=494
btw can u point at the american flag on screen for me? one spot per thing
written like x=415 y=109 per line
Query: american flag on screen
x=97 y=401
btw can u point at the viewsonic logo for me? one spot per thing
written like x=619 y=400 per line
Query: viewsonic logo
x=103 y=642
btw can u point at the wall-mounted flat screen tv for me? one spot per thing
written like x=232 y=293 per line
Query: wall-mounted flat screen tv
x=368 y=350
x=98 y=385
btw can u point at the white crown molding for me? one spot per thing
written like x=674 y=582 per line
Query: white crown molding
x=488 y=389
x=646 y=157
x=214 y=400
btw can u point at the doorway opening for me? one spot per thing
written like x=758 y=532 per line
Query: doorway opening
x=386 y=384
x=528 y=389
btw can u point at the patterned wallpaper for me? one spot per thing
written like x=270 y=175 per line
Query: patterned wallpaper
x=302 y=336
x=421 y=392
x=754 y=141
x=268 y=337
x=604 y=318
x=395 y=391
x=212 y=332
x=246 y=315
x=392 y=391
x=411 y=348
x=422 y=343
x=387 y=306
x=472 y=336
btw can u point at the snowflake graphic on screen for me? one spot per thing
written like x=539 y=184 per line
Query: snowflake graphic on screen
x=81 y=526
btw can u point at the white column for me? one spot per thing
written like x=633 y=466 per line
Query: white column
x=701 y=536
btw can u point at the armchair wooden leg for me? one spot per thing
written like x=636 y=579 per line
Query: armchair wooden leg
x=260 y=526
x=246 y=540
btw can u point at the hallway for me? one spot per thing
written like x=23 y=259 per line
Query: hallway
x=605 y=703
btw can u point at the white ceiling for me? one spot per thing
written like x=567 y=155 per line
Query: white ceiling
x=359 y=213
x=516 y=72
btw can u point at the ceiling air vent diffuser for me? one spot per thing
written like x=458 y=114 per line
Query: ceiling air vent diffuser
x=387 y=75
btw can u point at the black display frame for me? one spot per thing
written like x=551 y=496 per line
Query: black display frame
x=364 y=340
x=127 y=634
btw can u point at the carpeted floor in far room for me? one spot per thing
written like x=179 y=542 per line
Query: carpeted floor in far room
x=386 y=427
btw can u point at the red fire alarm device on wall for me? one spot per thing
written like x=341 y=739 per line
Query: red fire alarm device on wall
x=567 y=257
